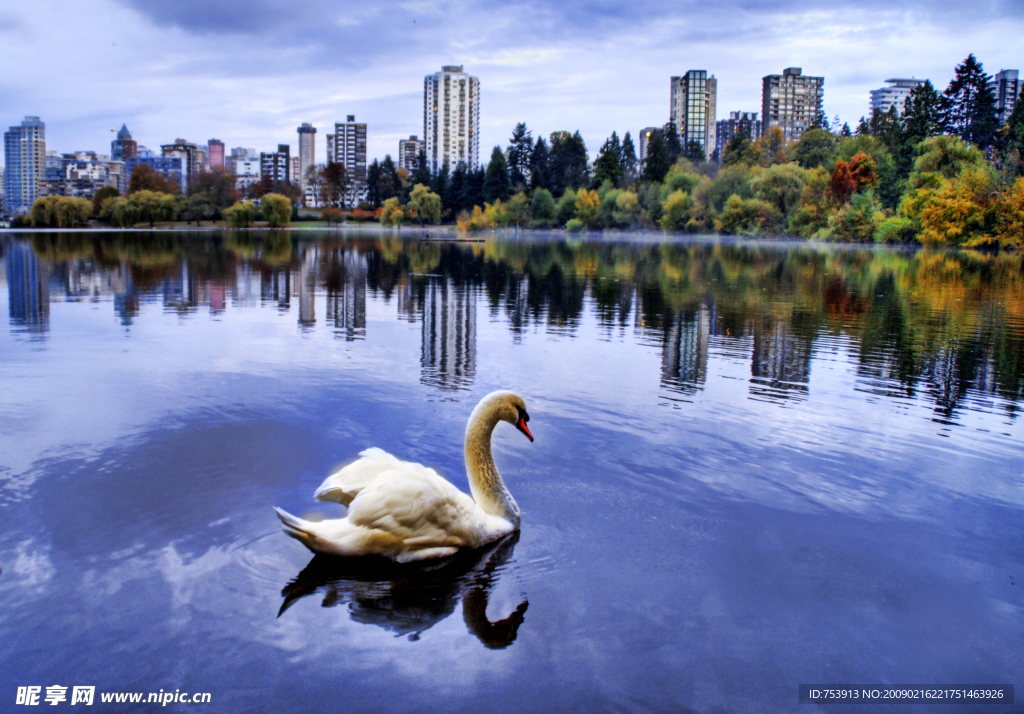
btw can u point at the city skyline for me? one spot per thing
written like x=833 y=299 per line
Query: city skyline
x=194 y=72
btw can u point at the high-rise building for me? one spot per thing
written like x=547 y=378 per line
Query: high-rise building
x=215 y=153
x=451 y=118
x=894 y=95
x=745 y=123
x=24 y=164
x=307 y=151
x=693 y=99
x=1006 y=86
x=123 y=147
x=409 y=153
x=277 y=165
x=791 y=101
x=193 y=158
x=645 y=138
x=348 y=148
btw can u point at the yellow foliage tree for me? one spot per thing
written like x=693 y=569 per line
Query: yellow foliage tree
x=588 y=205
x=392 y=214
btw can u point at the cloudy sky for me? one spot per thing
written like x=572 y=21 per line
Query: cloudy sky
x=249 y=73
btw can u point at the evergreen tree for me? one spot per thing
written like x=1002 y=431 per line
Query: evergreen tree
x=373 y=184
x=1015 y=129
x=456 y=191
x=388 y=183
x=422 y=172
x=673 y=143
x=694 y=151
x=519 y=150
x=922 y=118
x=568 y=162
x=969 y=105
x=474 y=193
x=607 y=166
x=496 y=184
x=846 y=130
x=439 y=183
x=539 y=168
x=628 y=161
x=657 y=161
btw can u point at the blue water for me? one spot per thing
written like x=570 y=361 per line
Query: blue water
x=755 y=466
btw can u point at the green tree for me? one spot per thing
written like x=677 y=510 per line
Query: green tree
x=452 y=200
x=426 y=203
x=241 y=214
x=518 y=209
x=566 y=207
x=102 y=195
x=969 y=105
x=195 y=207
x=657 y=162
x=676 y=211
x=422 y=172
x=539 y=165
x=373 y=184
x=814 y=148
x=152 y=206
x=568 y=162
x=694 y=152
x=520 y=148
x=673 y=142
x=389 y=185
x=123 y=213
x=543 y=207
x=628 y=161
x=497 y=186
x=440 y=184
x=276 y=209
x=607 y=166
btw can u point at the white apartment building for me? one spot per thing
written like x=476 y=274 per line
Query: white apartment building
x=409 y=152
x=1006 y=86
x=247 y=171
x=451 y=118
x=894 y=95
x=693 y=100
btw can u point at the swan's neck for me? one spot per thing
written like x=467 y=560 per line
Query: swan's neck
x=484 y=480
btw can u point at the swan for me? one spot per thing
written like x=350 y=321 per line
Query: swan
x=407 y=512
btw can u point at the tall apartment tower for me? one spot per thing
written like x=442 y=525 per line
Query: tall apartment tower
x=791 y=101
x=307 y=152
x=123 y=147
x=24 y=164
x=451 y=118
x=215 y=154
x=894 y=95
x=745 y=123
x=349 y=149
x=1006 y=86
x=693 y=108
x=408 y=153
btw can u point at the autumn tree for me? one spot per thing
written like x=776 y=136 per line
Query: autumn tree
x=335 y=183
x=276 y=209
x=144 y=178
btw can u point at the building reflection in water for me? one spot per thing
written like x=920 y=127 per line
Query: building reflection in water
x=345 y=285
x=684 y=355
x=275 y=287
x=28 y=288
x=307 y=287
x=448 y=351
x=780 y=367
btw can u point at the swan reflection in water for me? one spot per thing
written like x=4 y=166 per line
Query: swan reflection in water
x=411 y=598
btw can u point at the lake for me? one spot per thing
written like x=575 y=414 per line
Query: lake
x=757 y=465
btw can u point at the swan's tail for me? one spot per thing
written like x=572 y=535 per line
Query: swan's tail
x=297 y=528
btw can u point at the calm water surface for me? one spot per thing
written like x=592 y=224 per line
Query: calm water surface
x=756 y=465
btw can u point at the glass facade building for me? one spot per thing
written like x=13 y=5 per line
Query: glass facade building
x=24 y=164
x=693 y=109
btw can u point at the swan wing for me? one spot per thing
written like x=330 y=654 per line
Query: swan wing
x=420 y=507
x=345 y=484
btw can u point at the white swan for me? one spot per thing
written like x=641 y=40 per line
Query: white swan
x=405 y=511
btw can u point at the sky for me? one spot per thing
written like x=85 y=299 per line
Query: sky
x=250 y=73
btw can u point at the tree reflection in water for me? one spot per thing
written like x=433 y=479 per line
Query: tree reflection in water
x=410 y=599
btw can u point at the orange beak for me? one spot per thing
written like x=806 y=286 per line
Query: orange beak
x=521 y=426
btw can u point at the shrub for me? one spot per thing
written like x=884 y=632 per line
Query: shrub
x=241 y=214
x=574 y=225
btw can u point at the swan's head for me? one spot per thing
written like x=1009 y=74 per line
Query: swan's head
x=510 y=407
